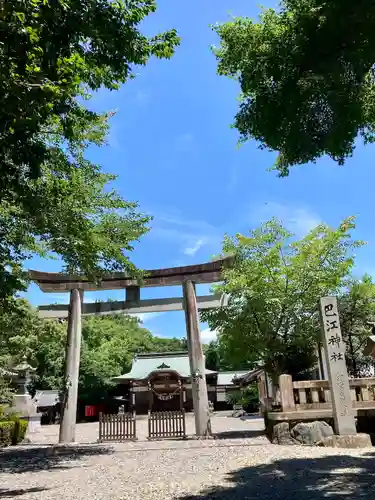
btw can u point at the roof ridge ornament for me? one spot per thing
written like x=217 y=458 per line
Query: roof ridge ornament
x=162 y=366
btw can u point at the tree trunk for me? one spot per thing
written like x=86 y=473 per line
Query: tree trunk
x=352 y=355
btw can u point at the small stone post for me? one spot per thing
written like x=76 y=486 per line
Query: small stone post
x=286 y=393
x=342 y=405
x=334 y=348
x=72 y=360
x=197 y=363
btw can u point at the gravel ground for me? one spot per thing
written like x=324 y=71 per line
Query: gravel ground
x=240 y=464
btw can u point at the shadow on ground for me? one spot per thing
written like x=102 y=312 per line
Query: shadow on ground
x=338 y=477
x=19 y=460
x=4 y=493
x=239 y=434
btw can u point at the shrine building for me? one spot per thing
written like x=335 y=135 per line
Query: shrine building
x=162 y=381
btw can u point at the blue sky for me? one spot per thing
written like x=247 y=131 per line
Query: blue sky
x=174 y=152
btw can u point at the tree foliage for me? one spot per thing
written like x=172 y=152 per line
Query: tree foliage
x=306 y=73
x=219 y=359
x=357 y=308
x=53 y=54
x=6 y=391
x=108 y=346
x=274 y=287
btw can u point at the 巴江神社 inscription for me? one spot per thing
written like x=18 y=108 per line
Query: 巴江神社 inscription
x=334 y=347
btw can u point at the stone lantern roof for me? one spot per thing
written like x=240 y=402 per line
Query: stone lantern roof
x=24 y=366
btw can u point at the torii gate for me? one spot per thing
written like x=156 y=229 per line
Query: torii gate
x=186 y=276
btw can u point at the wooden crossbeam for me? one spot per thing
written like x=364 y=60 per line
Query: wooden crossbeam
x=209 y=272
x=131 y=307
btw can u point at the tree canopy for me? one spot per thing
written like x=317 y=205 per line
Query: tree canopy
x=306 y=72
x=109 y=344
x=274 y=287
x=53 y=54
x=357 y=309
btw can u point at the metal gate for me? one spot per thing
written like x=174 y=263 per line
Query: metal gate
x=166 y=424
x=117 y=427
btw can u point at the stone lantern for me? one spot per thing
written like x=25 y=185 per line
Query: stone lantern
x=24 y=372
x=23 y=404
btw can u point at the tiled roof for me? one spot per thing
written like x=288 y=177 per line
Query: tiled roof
x=144 y=364
x=249 y=376
x=226 y=378
x=46 y=398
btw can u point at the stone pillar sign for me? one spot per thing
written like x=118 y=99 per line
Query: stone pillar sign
x=334 y=348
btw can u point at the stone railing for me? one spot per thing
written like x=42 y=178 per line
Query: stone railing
x=316 y=394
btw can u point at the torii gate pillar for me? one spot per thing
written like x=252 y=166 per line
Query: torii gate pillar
x=197 y=364
x=72 y=361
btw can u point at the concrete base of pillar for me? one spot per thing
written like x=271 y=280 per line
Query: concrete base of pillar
x=202 y=438
x=352 y=441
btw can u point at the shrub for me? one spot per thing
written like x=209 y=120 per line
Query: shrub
x=6 y=432
x=20 y=429
x=20 y=426
x=247 y=397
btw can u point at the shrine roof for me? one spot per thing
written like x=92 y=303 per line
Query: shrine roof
x=144 y=364
x=249 y=376
x=226 y=378
x=47 y=398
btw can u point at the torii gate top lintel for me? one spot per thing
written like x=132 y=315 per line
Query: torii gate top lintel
x=209 y=272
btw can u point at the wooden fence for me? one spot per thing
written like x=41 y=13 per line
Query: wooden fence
x=166 y=424
x=117 y=427
x=312 y=398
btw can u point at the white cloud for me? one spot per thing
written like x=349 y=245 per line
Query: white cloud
x=62 y=298
x=299 y=220
x=146 y=317
x=208 y=336
x=190 y=235
x=191 y=251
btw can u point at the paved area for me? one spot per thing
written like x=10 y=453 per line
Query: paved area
x=239 y=464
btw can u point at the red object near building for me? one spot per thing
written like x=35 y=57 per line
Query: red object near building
x=90 y=411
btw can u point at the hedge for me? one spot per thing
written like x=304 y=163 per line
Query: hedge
x=7 y=432
x=20 y=429
x=12 y=429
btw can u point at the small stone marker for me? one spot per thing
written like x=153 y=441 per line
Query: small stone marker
x=334 y=348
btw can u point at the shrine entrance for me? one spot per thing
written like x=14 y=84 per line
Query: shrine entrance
x=166 y=415
x=165 y=391
x=186 y=276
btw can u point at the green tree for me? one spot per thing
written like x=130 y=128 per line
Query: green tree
x=217 y=358
x=109 y=344
x=306 y=73
x=6 y=391
x=274 y=287
x=212 y=355
x=53 y=54
x=357 y=308
x=161 y=344
x=23 y=333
